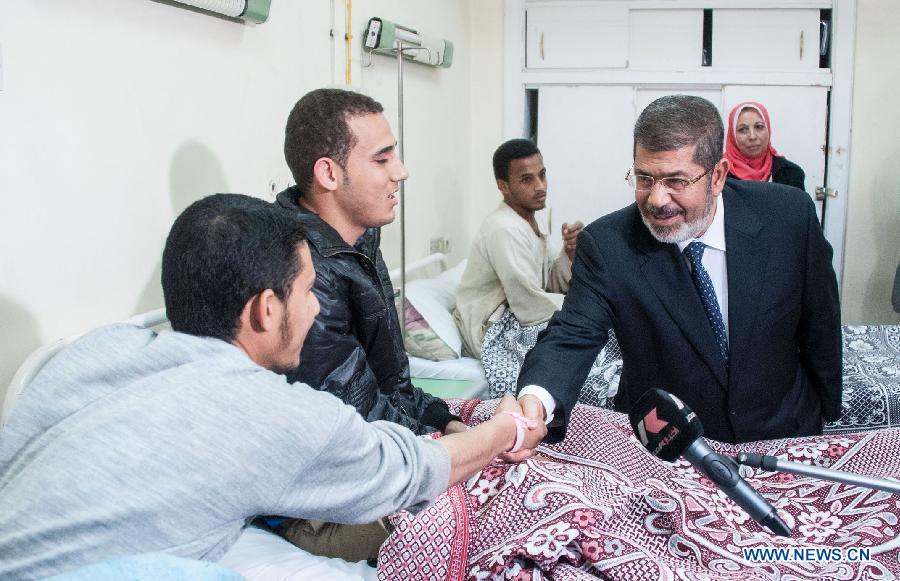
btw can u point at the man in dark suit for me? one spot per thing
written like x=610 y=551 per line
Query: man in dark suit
x=720 y=291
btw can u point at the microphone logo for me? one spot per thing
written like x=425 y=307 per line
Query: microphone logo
x=652 y=424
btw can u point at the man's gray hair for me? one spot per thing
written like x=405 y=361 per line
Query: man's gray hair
x=676 y=121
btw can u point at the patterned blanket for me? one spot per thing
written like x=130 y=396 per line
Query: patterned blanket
x=599 y=505
x=871 y=379
x=507 y=342
x=871 y=366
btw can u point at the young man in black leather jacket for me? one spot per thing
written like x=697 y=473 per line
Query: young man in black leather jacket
x=343 y=157
x=341 y=152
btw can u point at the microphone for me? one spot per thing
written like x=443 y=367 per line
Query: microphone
x=669 y=429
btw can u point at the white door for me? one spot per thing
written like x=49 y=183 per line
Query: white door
x=586 y=144
x=799 y=117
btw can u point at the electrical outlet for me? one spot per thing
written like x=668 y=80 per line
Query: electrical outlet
x=277 y=184
x=438 y=245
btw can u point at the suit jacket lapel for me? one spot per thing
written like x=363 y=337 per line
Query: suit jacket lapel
x=747 y=256
x=667 y=273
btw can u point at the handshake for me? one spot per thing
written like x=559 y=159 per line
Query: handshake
x=512 y=434
x=528 y=416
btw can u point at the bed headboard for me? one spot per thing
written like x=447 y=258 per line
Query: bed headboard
x=437 y=258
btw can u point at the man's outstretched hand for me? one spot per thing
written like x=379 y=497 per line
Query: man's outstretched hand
x=533 y=410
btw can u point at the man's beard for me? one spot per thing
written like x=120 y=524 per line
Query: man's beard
x=287 y=334
x=683 y=231
x=287 y=337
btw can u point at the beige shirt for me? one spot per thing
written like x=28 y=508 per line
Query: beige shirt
x=508 y=268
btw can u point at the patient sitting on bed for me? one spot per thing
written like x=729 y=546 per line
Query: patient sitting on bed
x=508 y=266
x=129 y=441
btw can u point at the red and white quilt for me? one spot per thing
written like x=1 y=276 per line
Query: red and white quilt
x=599 y=505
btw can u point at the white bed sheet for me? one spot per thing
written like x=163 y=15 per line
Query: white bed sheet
x=263 y=556
x=464 y=368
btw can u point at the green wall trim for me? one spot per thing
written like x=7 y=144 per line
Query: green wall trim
x=444 y=388
x=257 y=11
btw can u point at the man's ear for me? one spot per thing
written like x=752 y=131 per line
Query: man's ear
x=719 y=174
x=263 y=311
x=503 y=186
x=327 y=173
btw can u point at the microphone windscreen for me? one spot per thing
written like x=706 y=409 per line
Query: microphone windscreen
x=664 y=424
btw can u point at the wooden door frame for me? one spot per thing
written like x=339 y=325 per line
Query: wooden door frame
x=843 y=38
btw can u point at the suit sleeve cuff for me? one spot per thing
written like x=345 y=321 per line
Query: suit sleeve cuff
x=543 y=395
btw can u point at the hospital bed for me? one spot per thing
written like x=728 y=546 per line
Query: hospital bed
x=442 y=371
x=870 y=369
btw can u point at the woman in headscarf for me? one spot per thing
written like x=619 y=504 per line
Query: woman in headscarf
x=749 y=150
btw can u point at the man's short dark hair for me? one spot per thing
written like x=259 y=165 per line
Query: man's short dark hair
x=512 y=149
x=223 y=250
x=317 y=127
x=676 y=121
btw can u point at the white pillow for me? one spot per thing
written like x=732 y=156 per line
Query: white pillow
x=435 y=299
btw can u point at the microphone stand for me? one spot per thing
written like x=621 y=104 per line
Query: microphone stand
x=724 y=473
x=773 y=464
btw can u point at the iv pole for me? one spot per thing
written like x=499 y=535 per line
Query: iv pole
x=402 y=40
x=400 y=48
x=402 y=189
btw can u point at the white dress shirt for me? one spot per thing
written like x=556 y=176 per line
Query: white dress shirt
x=714 y=258
x=714 y=262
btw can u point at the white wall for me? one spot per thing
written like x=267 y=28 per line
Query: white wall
x=116 y=114
x=486 y=120
x=437 y=128
x=873 y=207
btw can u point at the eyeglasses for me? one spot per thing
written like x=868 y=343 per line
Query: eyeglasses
x=672 y=185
